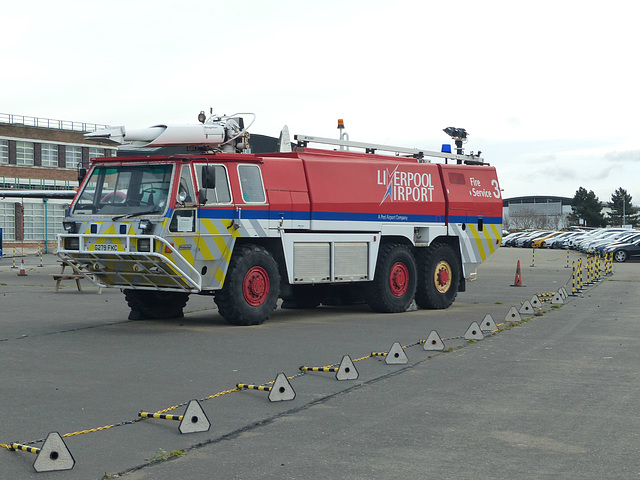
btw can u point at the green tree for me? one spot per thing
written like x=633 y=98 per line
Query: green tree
x=621 y=206
x=585 y=206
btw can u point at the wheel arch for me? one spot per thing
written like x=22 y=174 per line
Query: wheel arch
x=397 y=239
x=274 y=247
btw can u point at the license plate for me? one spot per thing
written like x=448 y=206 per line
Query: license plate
x=105 y=247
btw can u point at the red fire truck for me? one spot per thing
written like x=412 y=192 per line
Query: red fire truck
x=309 y=226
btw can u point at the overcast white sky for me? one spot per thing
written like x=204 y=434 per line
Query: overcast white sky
x=547 y=90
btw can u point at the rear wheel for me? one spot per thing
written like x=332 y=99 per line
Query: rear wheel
x=395 y=280
x=438 y=277
x=151 y=304
x=251 y=287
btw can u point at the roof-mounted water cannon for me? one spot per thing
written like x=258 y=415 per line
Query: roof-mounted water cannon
x=224 y=133
x=459 y=135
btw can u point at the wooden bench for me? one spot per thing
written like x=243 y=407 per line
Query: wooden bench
x=59 y=277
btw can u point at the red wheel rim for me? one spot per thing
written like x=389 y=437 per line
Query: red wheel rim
x=399 y=279
x=255 y=287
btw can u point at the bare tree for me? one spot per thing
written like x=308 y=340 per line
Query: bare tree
x=528 y=218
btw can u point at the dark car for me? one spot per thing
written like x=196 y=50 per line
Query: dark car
x=623 y=251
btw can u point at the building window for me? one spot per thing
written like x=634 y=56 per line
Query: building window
x=73 y=156
x=24 y=153
x=49 y=155
x=4 y=151
x=96 y=152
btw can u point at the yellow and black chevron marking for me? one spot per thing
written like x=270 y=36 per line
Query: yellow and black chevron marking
x=487 y=241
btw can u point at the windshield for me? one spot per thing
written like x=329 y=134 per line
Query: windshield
x=125 y=190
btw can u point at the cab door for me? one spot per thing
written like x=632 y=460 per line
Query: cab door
x=182 y=231
x=217 y=225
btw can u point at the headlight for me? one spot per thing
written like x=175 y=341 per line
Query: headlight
x=72 y=243
x=145 y=226
x=144 y=244
x=70 y=227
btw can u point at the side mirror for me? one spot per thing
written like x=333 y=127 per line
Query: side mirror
x=82 y=172
x=202 y=196
x=208 y=176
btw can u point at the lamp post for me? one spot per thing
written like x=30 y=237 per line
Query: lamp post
x=46 y=240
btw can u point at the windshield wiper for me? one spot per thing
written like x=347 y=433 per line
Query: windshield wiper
x=136 y=214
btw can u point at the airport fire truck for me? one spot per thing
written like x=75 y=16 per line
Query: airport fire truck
x=357 y=223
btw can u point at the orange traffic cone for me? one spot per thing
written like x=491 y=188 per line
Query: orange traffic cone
x=22 y=272
x=518 y=280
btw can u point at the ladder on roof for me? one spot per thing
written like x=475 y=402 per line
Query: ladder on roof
x=417 y=153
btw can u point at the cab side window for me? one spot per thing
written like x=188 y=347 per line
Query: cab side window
x=186 y=192
x=251 y=184
x=220 y=194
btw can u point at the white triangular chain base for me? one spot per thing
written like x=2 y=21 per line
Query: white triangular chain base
x=54 y=455
x=434 y=342
x=474 y=332
x=281 y=390
x=347 y=370
x=396 y=355
x=194 y=419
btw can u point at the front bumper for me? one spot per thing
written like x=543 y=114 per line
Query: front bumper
x=117 y=261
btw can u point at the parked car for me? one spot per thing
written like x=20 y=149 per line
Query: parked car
x=629 y=236
x=507 y=240
x=511 y=242
x=577 y=242
x=623 y=251
x=608 y=237
x=559 y=240
x=599 y=235
x=528 y=240
x=539 y=242
x=622 y=241
x=571 y=243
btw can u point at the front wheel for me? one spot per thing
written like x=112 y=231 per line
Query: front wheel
x=438 y=277
x=251 y=287
x=151 y=304
x=395 y=280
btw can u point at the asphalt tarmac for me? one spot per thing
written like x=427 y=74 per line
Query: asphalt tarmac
x=555 y=396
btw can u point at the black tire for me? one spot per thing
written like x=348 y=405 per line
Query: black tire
x=438 y=277
x=251 y=287
x=620 y=256
x=395 y=280
x=151 y=304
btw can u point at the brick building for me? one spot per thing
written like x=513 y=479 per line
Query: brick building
x=41 y=154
